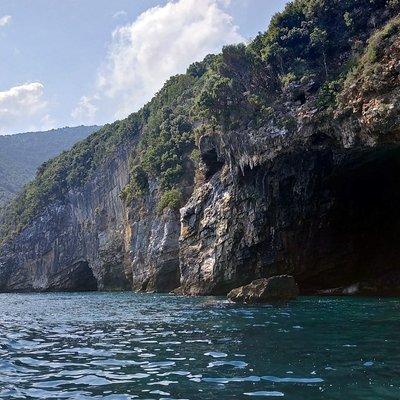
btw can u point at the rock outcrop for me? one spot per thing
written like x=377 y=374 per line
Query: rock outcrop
x=311 y=191
x=327 y=216
x=319 y=203
x=266 y=290
x=87 y=228
x=93 y=230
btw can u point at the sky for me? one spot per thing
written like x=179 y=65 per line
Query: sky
x=73 y=62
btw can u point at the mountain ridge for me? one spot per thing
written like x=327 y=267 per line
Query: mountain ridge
x=22 y=153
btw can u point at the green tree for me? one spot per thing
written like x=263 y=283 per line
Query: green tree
x=319 y=40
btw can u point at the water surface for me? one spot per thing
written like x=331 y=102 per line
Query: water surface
x=128 y=346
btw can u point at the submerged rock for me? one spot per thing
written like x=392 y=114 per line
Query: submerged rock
x=265 y=290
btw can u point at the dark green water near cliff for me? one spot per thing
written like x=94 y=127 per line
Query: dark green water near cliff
x=127 y=346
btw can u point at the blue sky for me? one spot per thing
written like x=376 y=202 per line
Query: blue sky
x=71 y=62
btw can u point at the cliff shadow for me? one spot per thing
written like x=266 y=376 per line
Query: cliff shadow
x=360 y=232
x=79 y=278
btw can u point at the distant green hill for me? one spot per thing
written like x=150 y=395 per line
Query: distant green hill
x=22 y=154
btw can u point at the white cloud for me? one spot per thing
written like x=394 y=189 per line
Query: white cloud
x=86 y=110
x=5 y=20
x=23 y=108
x=120 y=14
x=162 y=42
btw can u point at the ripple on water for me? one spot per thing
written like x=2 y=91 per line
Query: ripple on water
x=261 y=393
x=235 y=364
x=291 y=380
x=216 y=354
x=127 y=346
x=233 y=379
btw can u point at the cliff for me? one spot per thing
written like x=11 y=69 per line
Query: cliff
x=248 y=166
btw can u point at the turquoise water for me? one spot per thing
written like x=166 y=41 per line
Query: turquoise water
x=127 y=346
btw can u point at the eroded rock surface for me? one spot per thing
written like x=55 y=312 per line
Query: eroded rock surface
x=93 y=241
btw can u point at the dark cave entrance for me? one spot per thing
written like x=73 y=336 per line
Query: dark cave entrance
x=361 y=231
x=82 y=278
x=212 y=162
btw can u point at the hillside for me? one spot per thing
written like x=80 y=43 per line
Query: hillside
x=276 y=157
x=22 y=154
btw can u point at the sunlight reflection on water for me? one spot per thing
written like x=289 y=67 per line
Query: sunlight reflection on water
x=127 y=346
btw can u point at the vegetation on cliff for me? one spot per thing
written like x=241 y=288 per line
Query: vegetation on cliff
x=312 y=45
x=307 y=54
x=167 y=138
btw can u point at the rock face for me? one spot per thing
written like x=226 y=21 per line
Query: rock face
x=320 y=214
x=153 y=243
x=93 y=241
x=319 y=203
x=86 y=229
x=274 y=289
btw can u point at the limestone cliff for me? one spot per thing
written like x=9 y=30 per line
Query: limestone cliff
x=320 y=203
x=84 y=231
x=290 y=175
x=91 y=241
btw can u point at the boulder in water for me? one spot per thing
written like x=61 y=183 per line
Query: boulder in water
x=266 y=290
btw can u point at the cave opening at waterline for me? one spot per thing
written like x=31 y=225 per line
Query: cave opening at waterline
x=361 y=229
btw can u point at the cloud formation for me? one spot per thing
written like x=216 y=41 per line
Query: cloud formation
x=120 y=14
x=86 y=109
x=24 y=108
x=5 y=20
x=162 y=42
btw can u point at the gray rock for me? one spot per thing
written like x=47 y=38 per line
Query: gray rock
x=93 y=240
x=266 y=290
